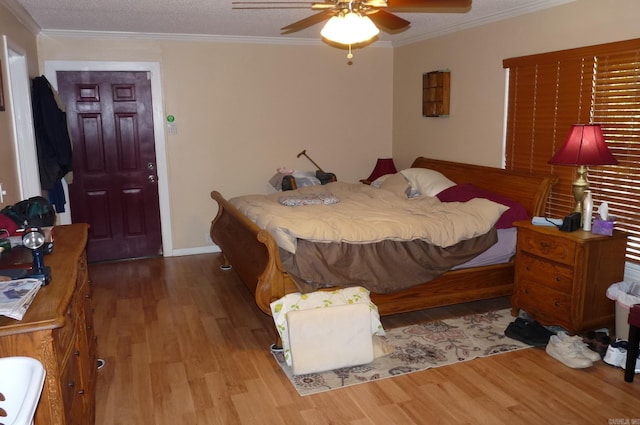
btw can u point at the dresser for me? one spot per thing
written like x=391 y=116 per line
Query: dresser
x=561 y=278
x=58 y=330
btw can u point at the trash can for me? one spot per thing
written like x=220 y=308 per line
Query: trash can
x=625 y=294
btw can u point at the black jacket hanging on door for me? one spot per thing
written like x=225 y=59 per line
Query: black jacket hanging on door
x=52 y=134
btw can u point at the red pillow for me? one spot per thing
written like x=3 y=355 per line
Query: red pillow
x=466 y=192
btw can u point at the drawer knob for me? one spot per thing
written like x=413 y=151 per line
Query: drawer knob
x=558 y=279
x=71 y=384
x=81 y=392
x=76 y=353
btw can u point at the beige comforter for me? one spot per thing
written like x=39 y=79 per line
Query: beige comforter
x=363 y=214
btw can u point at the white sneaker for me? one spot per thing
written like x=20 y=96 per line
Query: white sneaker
x=580 y=344
x=616 y=355
x=567 y=353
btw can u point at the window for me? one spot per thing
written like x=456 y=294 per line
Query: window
x=598 y=84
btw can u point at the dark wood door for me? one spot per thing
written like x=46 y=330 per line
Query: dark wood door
x=114 y=186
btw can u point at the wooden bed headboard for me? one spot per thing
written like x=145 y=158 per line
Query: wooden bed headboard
x=531 y=190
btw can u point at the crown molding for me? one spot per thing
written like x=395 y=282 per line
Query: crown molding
x=113 y=35
x=522 y=10
x=21 y=15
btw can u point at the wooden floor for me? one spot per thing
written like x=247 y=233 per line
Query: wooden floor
x=185 y=344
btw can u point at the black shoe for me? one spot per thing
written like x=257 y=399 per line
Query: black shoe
x=528 y=331
x=597 y=341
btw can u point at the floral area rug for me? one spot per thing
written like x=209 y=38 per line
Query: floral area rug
x=418 y=347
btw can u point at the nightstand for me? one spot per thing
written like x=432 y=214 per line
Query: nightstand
x=561 y=278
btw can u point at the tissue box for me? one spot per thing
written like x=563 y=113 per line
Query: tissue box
x=603 y=227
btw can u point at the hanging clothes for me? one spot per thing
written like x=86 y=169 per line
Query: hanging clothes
x=56 y=196
x=53 y=142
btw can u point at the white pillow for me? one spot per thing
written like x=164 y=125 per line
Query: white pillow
x=427 y=182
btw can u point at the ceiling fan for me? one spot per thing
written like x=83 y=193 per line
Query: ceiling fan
x=378 y=11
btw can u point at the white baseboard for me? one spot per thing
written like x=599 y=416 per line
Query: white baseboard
x=194 y=251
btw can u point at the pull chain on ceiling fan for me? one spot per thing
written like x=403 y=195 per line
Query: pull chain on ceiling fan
x=357 y=21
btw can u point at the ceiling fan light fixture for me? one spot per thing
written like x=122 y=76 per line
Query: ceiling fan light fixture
x=349 y=28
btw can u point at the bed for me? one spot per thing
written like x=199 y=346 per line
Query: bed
x=257 y=258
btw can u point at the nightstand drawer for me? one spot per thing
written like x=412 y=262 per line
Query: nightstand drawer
x=544 y=272
x=547 y=305
x=545 y=246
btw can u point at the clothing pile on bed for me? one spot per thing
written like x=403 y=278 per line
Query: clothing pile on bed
x=322 y=198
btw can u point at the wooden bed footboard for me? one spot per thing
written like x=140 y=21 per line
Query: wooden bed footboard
x=255 y=256
x=252 y=252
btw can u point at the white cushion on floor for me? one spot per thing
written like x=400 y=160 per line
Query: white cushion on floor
x=321 y=299
x=323 y=339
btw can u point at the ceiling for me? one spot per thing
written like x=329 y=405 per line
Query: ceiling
x=217 y=19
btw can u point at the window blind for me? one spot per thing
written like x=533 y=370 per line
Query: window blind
x=616 y=104
x=549 y=92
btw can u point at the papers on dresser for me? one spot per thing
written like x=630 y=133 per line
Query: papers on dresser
x=16 y=296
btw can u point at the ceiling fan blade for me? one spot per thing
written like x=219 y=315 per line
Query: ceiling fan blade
x=322 y=6
x=375 y=3
x=307 y=22
x=270 y=4
x=430 y=6
x=387 y=21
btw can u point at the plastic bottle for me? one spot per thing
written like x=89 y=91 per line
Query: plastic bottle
x=587 y=211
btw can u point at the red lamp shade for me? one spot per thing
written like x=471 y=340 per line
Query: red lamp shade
x=383 y=167
x=584 y=145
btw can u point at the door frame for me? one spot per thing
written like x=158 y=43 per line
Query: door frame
x=153 y=68
x=19 y=101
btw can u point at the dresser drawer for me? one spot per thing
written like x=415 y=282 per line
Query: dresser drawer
x=63 y=336
x=553 y=248
x=543 y=272
x=72 y=390
x=84 y=301
x=547 y=305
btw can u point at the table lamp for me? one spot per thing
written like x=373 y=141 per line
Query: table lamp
x=383 y=167
x=584 y=146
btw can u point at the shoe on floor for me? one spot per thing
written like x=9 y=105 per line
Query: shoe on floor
x=582 y=347
x=597 y=341
x=528 y=331
x=567 y=353
x=617 y=355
